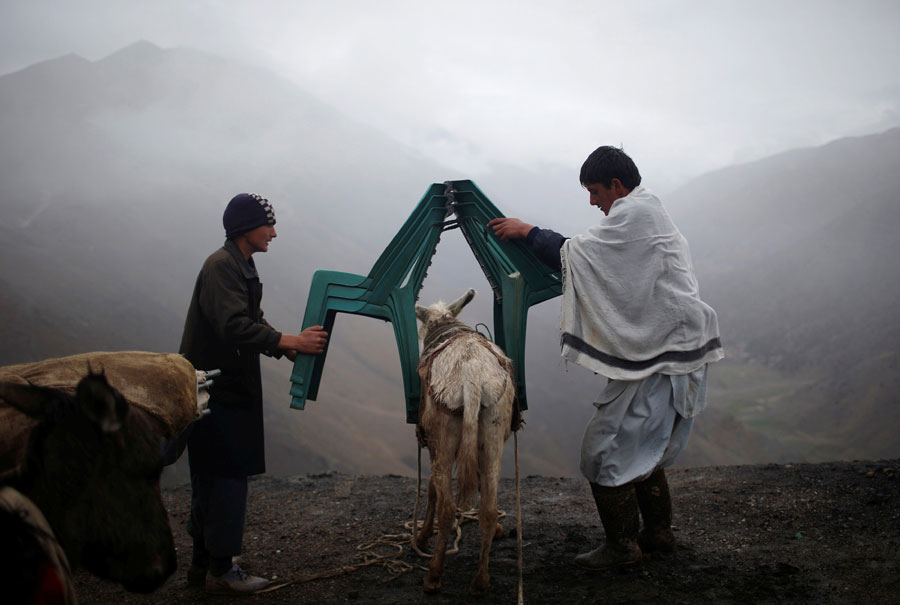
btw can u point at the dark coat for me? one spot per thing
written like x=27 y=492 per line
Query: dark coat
x=225 y=330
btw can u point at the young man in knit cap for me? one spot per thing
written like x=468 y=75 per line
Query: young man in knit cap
x=225 y=330
x=631 y=311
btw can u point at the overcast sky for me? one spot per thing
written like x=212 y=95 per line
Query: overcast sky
x=684 y=86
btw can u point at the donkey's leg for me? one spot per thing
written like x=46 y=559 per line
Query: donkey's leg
x=442 y=476
x=489 y=469
x=427 y=529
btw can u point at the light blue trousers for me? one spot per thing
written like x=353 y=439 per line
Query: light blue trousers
x=640 y=426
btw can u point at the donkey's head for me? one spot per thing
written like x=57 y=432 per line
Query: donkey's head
x=441 y=314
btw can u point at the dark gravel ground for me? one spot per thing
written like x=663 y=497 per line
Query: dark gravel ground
x=802 y=533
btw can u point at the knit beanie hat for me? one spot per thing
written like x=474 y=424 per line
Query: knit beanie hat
x=245 y=212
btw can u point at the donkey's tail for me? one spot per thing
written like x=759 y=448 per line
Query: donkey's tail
x=467 y=456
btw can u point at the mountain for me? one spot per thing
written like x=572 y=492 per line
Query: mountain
x=113 y=177
x=743 y=215
x=115 y=174
x=798 y=253
x=113 y=180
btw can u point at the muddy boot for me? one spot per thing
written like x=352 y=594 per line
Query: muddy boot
x=656 y=509
x=619 y=514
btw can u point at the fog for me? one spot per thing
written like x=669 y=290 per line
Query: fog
x=685 y=87
x=118 y=155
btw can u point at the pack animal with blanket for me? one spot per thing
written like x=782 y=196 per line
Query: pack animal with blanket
x=82 y=457
x=466 y=416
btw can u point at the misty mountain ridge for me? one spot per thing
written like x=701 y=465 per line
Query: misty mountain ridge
x=810 y=289
x=112 y=195
x=781 y=199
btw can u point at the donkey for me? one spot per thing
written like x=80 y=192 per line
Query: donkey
x=91 y=473
x=466 y=414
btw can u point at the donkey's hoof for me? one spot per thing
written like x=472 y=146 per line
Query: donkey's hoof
x=480 y=585
x=499 y=531
x=431 y=584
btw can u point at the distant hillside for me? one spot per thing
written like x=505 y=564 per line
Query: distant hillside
x=113 y=177
x=740 y=216
x=798 y=255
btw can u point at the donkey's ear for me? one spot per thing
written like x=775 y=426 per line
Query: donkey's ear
x=421 y=313
x=457 y=305
x=29 y=399
x=101 y=403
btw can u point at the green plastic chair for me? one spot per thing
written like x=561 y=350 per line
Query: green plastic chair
x=389 y=292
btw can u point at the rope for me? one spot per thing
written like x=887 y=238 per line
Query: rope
x=518 y=517
x=415 y=520
x=486 y=329
x=391 y=562
x=366 y=556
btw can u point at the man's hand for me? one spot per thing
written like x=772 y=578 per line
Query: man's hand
x=310 y=341
x=509 y=228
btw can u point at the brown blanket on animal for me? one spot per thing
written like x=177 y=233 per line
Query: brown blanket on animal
x=163 y=384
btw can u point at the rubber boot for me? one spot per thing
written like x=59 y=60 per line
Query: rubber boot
x=656 y=509
x=618 y=510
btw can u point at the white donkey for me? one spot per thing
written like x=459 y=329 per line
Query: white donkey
x=466 y=414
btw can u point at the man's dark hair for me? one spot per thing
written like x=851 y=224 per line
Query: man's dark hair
x=608 y=163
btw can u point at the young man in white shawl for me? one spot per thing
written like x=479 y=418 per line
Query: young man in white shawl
x=631 y=311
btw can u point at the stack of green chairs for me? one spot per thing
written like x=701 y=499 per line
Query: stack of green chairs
x=518 y=280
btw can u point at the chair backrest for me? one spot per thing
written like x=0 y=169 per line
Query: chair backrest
x=389 y=291
x=517 y=277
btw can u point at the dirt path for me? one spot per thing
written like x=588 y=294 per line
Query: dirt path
x=822 y=533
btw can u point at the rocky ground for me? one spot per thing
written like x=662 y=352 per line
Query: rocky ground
x=802 y=533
